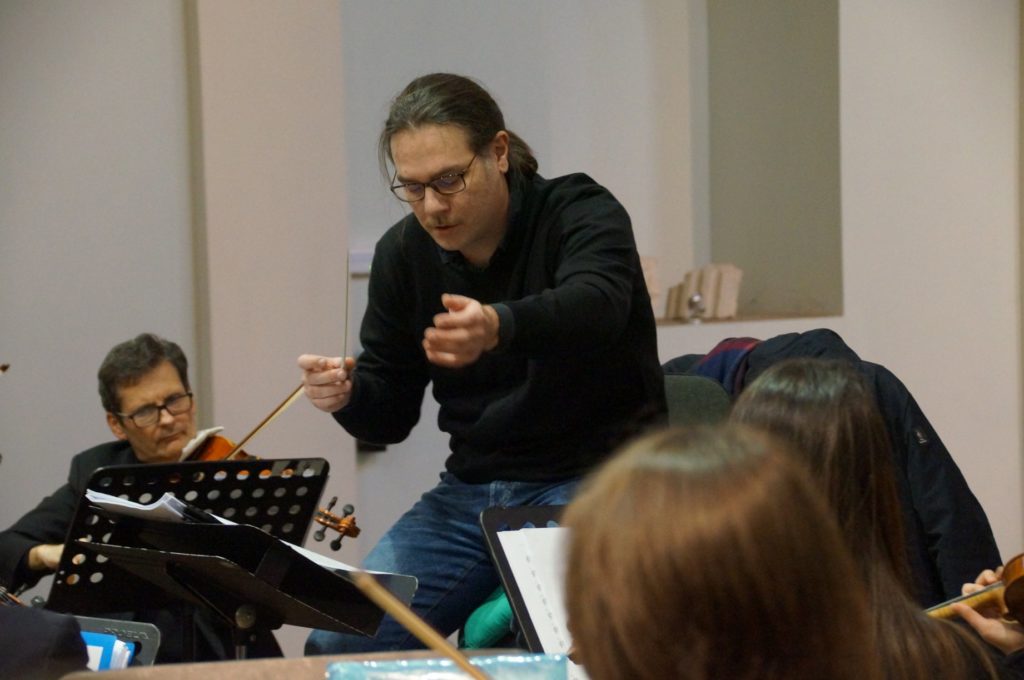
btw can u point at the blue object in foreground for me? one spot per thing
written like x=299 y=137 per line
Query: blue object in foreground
x=500 y=667
x=106 y=651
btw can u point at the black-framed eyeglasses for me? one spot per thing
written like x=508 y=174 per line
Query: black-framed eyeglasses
x=446 y=185
x=149 y=415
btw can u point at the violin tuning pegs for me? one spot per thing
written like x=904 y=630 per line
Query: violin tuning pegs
x=320 y=533
x=336 y=543
x=347 y=510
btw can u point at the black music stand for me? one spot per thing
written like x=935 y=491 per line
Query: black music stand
x=499 y=518
x=277 y=496
x=250 y=579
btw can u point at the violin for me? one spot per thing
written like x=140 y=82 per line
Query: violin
x=217 y=447
x=9 y=599
x=1007 y=593
x=345 y=524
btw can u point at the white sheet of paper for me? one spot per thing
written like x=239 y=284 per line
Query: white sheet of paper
x=537 y=559
x=167 y=507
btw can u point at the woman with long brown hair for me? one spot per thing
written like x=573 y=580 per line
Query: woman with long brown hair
x=707 y=554
x=826 y=411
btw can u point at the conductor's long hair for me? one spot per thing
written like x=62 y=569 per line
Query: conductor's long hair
x=828 y=414
x=708 y=554
x=450 y=99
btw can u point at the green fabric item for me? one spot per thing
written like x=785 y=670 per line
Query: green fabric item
x=695 y=400
x=489 y=622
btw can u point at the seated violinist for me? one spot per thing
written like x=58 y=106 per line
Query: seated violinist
x=826 y=412
x=144 y=389
x=992 y=622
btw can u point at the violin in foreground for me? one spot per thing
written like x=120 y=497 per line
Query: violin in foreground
x=1007 y=593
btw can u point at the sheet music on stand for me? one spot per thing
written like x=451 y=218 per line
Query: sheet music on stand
x=528 y=549
x=536 y=558
x=172 y=526
x=247 y=576
x=169 y=509
x=278 y=496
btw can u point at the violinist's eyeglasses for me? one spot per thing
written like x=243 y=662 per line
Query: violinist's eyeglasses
x=446 y=185
x=150 y=415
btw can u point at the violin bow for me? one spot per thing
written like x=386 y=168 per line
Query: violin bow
x=383 y=598
x=266 y=421
x=291 y=398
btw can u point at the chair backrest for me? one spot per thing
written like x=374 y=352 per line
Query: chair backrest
x=695 y=400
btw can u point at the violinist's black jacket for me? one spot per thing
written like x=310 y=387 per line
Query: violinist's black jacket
x=949 y=539
x=49 y=522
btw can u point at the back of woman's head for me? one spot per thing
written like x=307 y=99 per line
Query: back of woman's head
x=707 y=554
x=828 y=414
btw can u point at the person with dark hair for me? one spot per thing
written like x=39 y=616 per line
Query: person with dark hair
x=949 y=538
x=143 y=386
x=826 y=411
x=522 y=300
x=699 y=554
x=144 y=389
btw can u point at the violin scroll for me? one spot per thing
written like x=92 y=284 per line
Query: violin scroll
x=345 y=524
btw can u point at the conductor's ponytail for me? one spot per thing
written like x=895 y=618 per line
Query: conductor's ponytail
x=448 y=99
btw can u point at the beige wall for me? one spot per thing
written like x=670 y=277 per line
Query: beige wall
x=268 y=144
x=930 y=183
x=96 y=216
x=269 y=148
x=95 y=238
x=774 y=185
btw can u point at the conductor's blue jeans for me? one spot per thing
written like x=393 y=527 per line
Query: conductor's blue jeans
x=439 y=541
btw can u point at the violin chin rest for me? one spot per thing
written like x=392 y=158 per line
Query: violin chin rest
x=197 y=441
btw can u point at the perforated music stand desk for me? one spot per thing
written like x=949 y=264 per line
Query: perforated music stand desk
x=247 y=576
x=279 y=496
x=497 y=519
x=110 y=564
